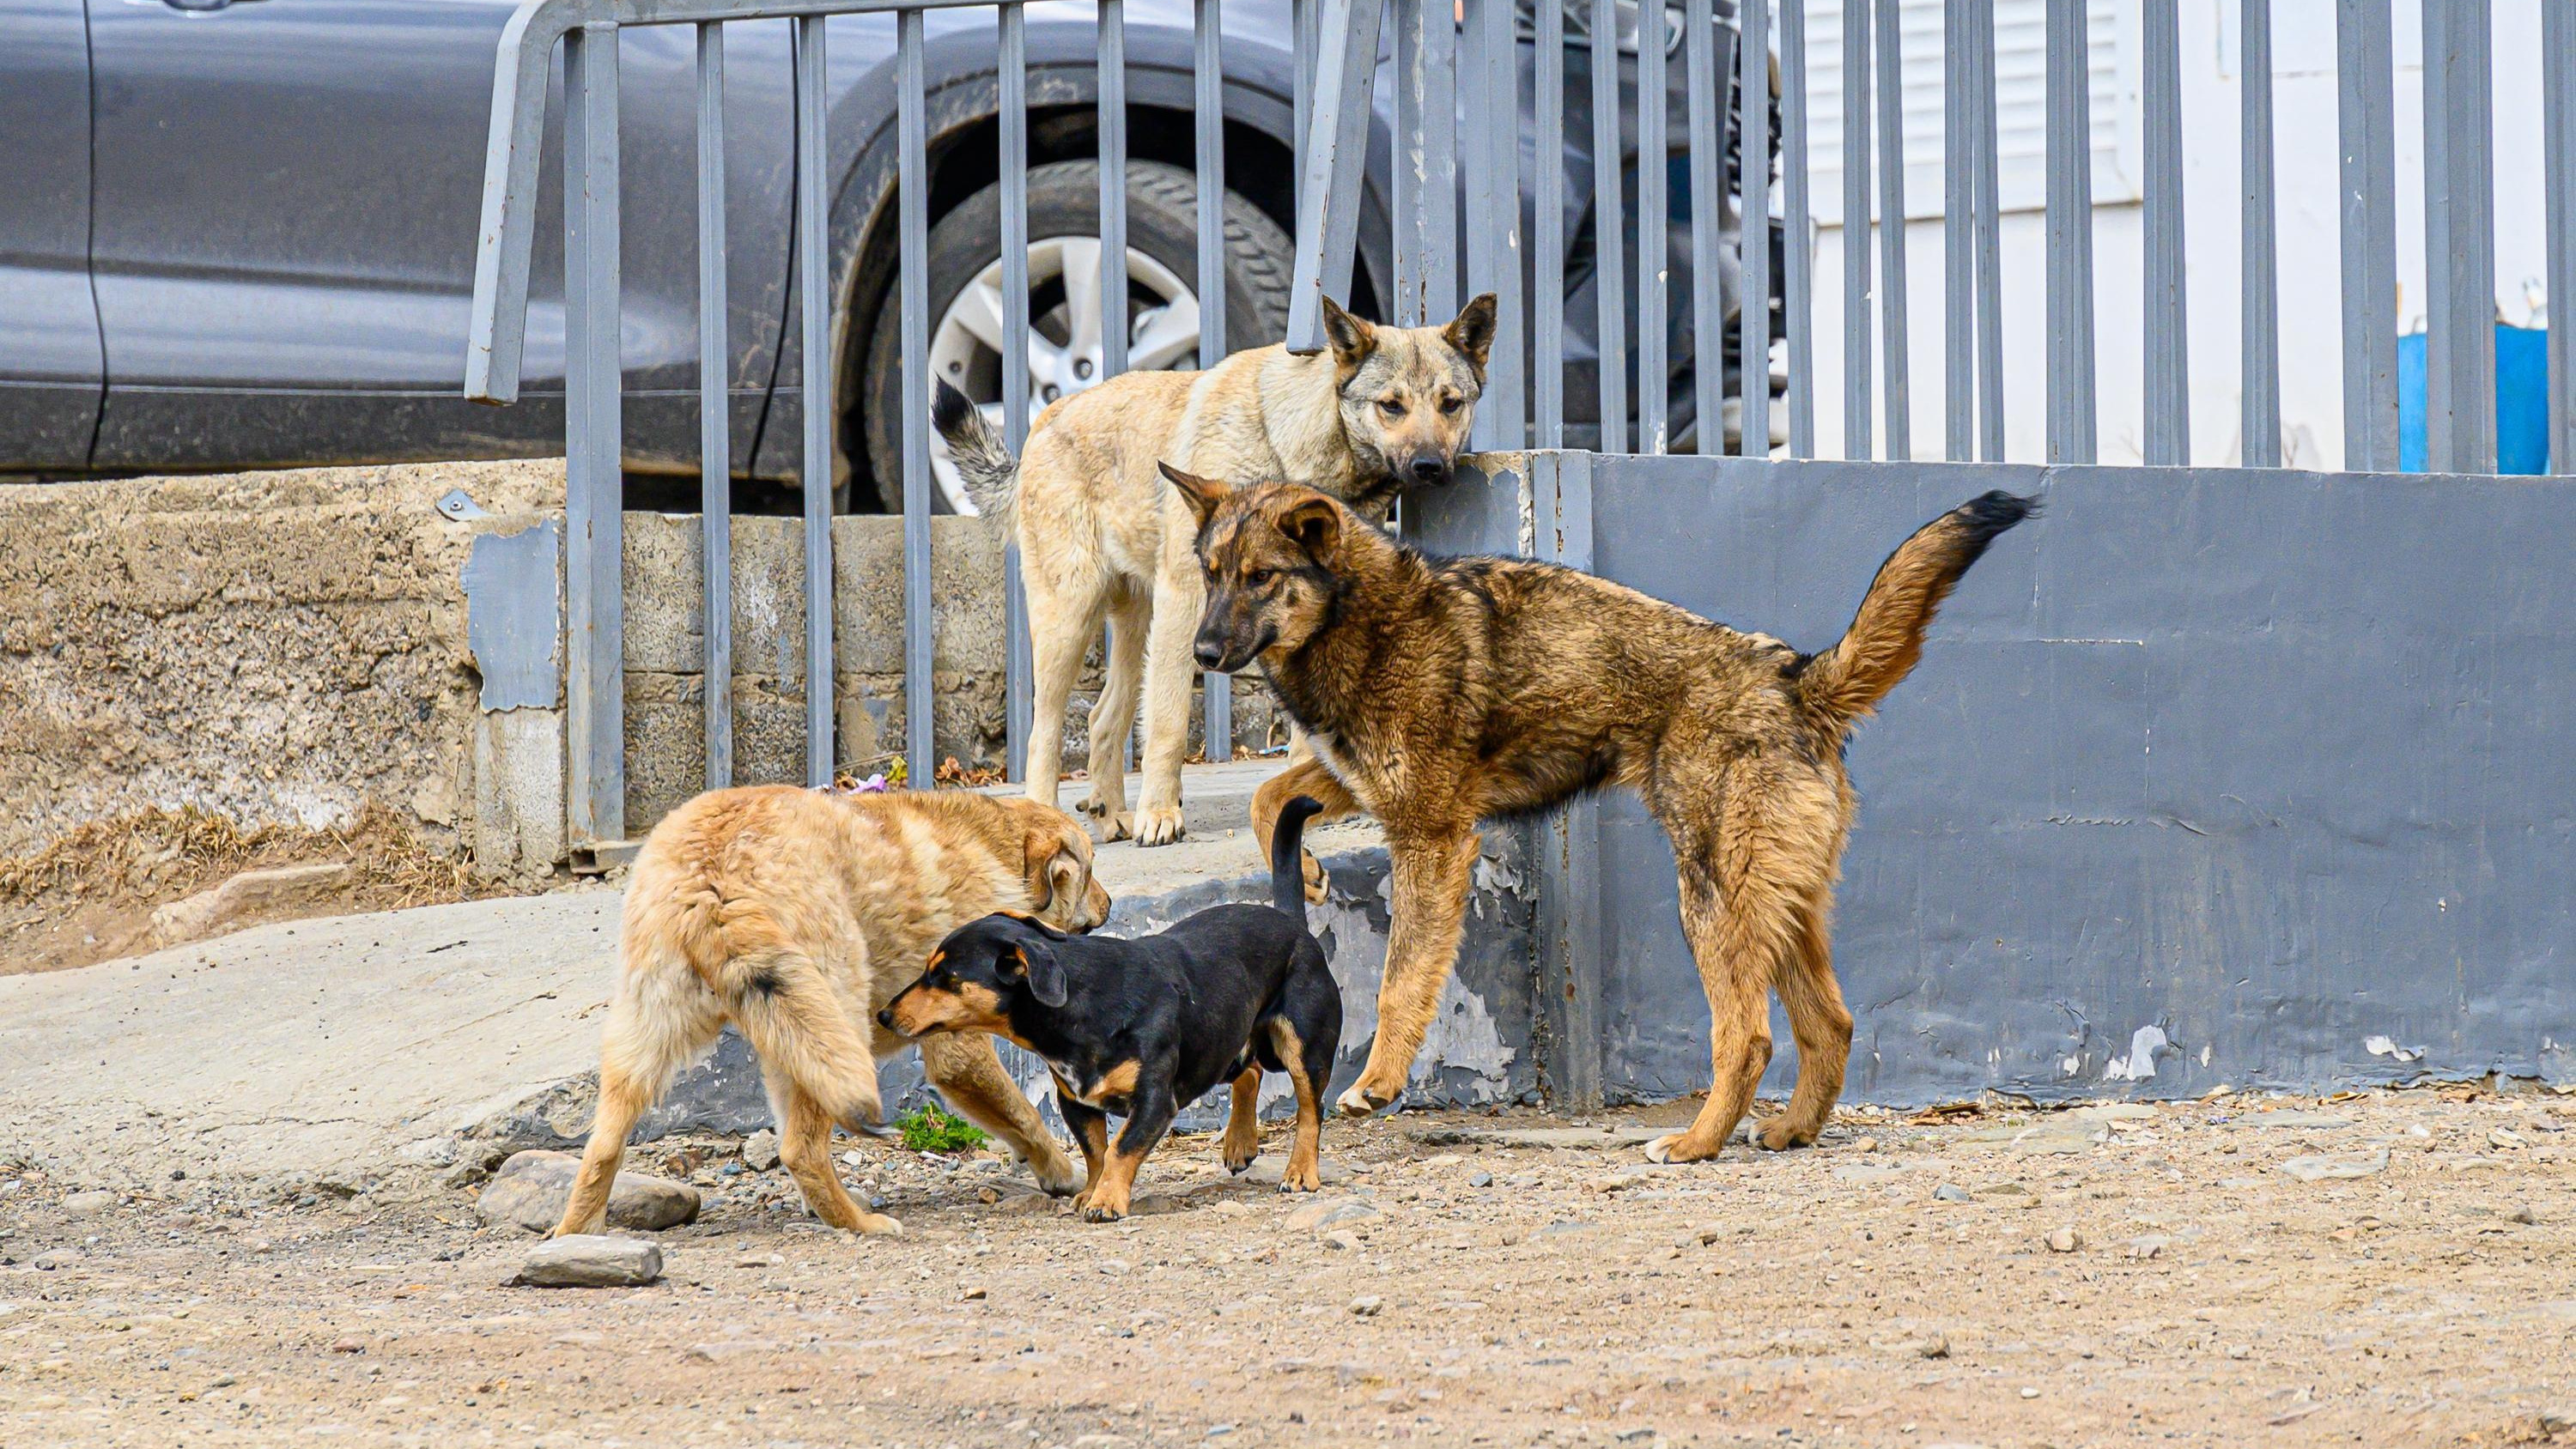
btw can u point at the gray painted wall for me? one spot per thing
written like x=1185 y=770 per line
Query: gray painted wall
x=2206 y=776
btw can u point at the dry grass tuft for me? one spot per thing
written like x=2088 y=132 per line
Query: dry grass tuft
x=152 y=854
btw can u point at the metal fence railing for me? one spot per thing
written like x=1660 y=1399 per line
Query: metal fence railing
x=1470 y=211
x=587 y=32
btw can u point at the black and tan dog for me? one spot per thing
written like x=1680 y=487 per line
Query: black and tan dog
x=1438 y=693
x=1140 y=1028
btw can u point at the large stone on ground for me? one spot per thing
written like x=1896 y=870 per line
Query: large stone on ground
x=592 y=1260
x=251 y=893
x=532 y=1187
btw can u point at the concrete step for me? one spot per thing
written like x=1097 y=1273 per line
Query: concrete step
x=387 y=1045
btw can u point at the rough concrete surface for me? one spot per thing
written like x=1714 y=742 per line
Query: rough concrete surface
x=270 y=647
x=1446 y=1292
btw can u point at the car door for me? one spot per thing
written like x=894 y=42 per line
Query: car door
x=287 y=198
x=51 y=367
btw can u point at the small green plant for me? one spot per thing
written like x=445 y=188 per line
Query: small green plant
x=928 y=1129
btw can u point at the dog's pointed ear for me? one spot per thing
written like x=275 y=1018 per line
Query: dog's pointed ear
x=1315 y=523
x=1472 y=331
x=1203 y=495
x=1034 y=957
x=1352 y=339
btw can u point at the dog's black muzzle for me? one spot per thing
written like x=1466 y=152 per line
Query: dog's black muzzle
x=1426 y=470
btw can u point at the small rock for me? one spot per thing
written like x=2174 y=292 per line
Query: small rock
x=2504 y=1137
x=58 y=1258
x=477 y=1166
x=1480 y=1179
x=1367 y=1305
x=2065 y=1240
x=1342 y=1240
x=761 y=1260
x=2029 y=1393
x=88 y=1204
x=1326 y=1212
x=973 y=1294
x=760 y=1150
x=1952 y=1192
x=2521 y=1213
x=532 y=1187
x=1934 y=1346
x=2558 y=1421
x=1866 y=1144
x=348 y=1345
x=1115 y=1267
x=1229 y=1208
x=592 y=1260
x=2147 y=1247
x=2350 y=1164
x=1269 y=1169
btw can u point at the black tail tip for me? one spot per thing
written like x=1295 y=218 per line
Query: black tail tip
x=949 y=409
x=1299 y=808
x=1991 y=513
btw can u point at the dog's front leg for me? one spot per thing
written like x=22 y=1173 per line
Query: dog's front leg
x=1149 y=1117
x=1431 y=876
x=1169 y=668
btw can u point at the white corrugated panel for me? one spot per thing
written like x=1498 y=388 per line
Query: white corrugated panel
x=2021 y=102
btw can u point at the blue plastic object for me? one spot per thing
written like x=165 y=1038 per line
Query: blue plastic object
x=2522 y=400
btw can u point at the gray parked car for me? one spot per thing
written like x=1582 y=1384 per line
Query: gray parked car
x=239 y=233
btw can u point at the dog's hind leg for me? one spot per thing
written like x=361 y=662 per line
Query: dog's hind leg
x=1737 y=944
x=1113 y=716
x=1243 y=1121
x=805 y=1147
x=1823 y=1027
x=662 y=1016
x=1063 y=617
x=967 y=1071
x=1430 y=877
x=1310 y=779
x=1310 y=1067
x=1169 y=668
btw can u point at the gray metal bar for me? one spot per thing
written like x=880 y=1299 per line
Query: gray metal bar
x=1989 y=240
x=1753 y=69
x=1208 y=75
x=2167 y=431
x=2262 y=328
x=1405 y=303
x=1654 y=274
x=594 y=445
x=2558 y=148
x=2070 y=236
x=1547 y=231
x=912 y=227
x=1707 y=91
x=1569 y=850
x=813 y=274
x=1303 y=42
x=1609 y=258
x=2366 y=120
x=1897 y=366
x=1328 y=209
x=1502 y=415
x=715 y=409
x=1440 y=297
x=1113 y=188
x=1797 y=211
x=1014 y=78
x=2459 y=240
x=1856 y=239
x=1958 y=219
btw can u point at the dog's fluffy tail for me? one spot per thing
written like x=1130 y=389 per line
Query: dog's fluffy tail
x=1287 y=858
x=1886 y=637
x=991 y=476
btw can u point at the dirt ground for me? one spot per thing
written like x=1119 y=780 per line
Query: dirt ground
x=1509 y=1279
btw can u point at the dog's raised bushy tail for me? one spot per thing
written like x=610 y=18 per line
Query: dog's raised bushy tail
x=1287 y=859
x=1886 y=636
x=991 y=476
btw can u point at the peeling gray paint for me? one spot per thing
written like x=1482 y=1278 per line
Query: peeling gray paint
x=514 y=616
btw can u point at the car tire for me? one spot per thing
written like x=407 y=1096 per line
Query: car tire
x=1064 y=201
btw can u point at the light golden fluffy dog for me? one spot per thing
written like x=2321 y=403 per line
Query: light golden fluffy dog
x=1102 y=535
x=795 y=914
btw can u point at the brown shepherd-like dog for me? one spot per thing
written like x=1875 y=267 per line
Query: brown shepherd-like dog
x=1441 y=692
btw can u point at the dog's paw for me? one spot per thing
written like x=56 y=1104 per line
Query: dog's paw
x=1102 y=1210
x=1239 y=1153
x=1056 y=1174
x=1362 y=1099
x=878 y=1225
x=1676 y=1147
x=1317 y=882
x=1301 y=1179
x=1157 y=825
x=1780 y=1135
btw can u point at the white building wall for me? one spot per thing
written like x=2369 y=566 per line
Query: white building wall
x=2307 y=210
